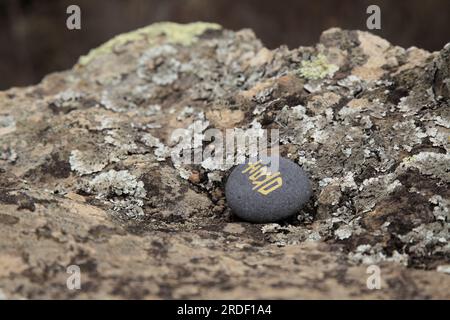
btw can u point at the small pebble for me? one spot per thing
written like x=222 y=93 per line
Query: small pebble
x=257 y=194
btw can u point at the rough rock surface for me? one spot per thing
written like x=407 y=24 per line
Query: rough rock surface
x=86 y=177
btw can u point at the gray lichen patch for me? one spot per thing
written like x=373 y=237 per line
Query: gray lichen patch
x=159 y=65
x=115 y=183
x=88 y=163
x=8 y=154
x=66 y=101
x=7 y=124
x=123 y=189
x=430 y=163
x=161 y=151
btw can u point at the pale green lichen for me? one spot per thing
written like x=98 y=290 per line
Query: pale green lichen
x=317 y=68
x=183 y=34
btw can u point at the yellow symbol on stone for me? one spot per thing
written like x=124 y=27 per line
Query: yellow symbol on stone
x=269 y=182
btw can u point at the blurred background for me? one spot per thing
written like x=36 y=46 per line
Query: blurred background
x=34 y=39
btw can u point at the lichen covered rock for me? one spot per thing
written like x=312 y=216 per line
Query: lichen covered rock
x=87 y=178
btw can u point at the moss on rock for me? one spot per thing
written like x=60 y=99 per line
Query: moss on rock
x=184 y=34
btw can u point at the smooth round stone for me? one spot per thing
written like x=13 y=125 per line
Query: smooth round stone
x=257 y=194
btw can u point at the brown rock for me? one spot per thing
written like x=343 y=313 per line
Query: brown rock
x=86 y=176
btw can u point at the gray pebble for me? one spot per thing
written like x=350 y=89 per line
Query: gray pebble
x=258 y=194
